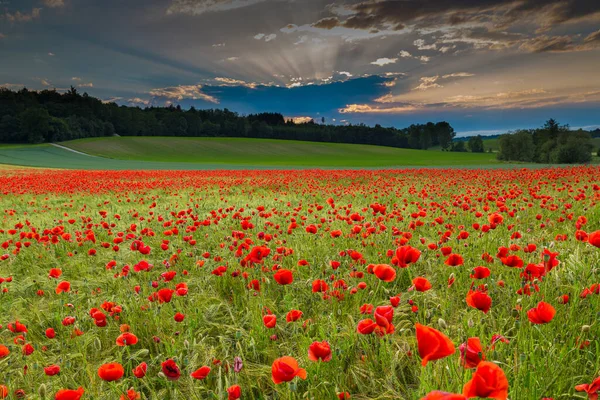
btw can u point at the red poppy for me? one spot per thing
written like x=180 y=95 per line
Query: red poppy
x=488 y=381
x=319 y=351
x=541 y=314
x=111 y=372
x=126 y=339
x=165 y=295
x=421 y=284
x=4 y=351
x=480 y=272
x=512 y=261
x=406 y=255
x=437 y=395
x=594 y=239
x=285 y=369
x=454 y=260
x=131 y=395
x=68 y=394
x=63 y=286
x=234 y=392
x=471 y=353
x=591 y=389
x=433 y=344
x=51 y=370
x=366 y=326
x=384 y=272
x=319 y=286
x=270 y=321
x=140 y=371
x=293 y=315
x=179 y=317
x=480 y=300
x=200 y=373
x=171 y=370
x=284 y=277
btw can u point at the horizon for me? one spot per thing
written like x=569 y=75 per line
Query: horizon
x=486 y=67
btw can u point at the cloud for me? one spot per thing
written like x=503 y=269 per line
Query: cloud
x=373 y=109
x=51 y=54
x=198 y=7
x=458 y=75
x=136 y=101
x=54 y=3
x=76 y=79
x=561 y=44
x=18 y=16
x=384 y=61
x=86 y=85
x=259 y=36
x=112 y=100
x=327 y=23
x=232 y=58
x=2 y=36
x=348 y=74
x=420 y=43
x=235 y=82
x=181 y=92
x=428 y=82
x=12 y=86
x=405 y=54
x=218 y=45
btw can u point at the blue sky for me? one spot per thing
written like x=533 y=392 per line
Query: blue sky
x=485 y=66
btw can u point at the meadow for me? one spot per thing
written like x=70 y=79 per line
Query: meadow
x=300 y=284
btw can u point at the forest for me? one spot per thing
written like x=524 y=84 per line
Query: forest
x=28 y=116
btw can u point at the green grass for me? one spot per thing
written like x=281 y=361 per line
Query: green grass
x=267 y=152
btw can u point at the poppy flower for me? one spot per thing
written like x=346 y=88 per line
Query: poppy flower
x=179 y=317
x=165 y=295
x=384 y=272
x=69 y=394
x=171 y=370
x=319 y=286
x=269 y=321
x=480 y=272
x=293 y=315
x=234 y=392
x=130 y=395
x=285 y=369
x=51 y=370
x=594 y=239
x=284 y=277
x=50 y=333
x=432 y=344
x=480 y=300
x=488 y=381
x=406 y=255
x=454 y=260
x=55 y=273
x=384 y=316
x=437 y=395
x=111 y=372
x=140 y=371
x=591 y=389
x=63 y=287
x=319 y=351
x=512 y=261
x=541 y=314
x=126 y=339
x=471 y=353
x=421 y=284
x=200 y=373
x=4 y=351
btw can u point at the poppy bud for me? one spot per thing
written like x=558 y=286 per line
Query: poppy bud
x=585 y=328
x=97 y=343
x=442 y=324
x=162 y=375
x=186 y=344
x=470 y=323
x=514 y=313
x=42 y=391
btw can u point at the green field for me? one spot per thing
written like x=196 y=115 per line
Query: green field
x=234 y=153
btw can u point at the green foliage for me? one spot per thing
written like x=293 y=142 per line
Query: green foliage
x=475 y=144
x=60 y=117
x=459 y=147
x=551 y=144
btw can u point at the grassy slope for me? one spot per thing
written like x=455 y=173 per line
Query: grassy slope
x=267 y=152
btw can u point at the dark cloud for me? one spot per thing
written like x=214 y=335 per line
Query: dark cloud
x=559 y=44
x=327 y=23
x=593 y=37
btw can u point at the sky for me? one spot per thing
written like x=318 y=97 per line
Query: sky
x=485 y=66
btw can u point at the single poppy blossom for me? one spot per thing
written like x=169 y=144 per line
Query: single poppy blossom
x=488 y=381
x=432 y=344
x=179 y=317
x=126 y=339
x=594 y=239
x=542 y=313
x=140 y=371
x=454 y=260
x=591 y=389
x=4 y=351
x=421 y=284
x=63 y=287
x=471 y=353
x=319 y=351
x=171 y=370
x=234 y=392
x=51 y=370
x=131 y=395
x=479 y=300
x=438 y=395
x=270 y=321
x=111 y=372
x=384 y=272
x=293 y=315
x=406 y=255
x=480 y=272
x=200 y=373
x=284 y=277
x=69 y=394
x=285 y=369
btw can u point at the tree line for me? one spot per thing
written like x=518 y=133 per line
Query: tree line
x=550 y=144
x=49 y=116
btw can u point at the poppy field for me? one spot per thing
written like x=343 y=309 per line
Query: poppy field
x=308 y=284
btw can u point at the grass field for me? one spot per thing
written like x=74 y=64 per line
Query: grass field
x=195 y=284
x=267 y=152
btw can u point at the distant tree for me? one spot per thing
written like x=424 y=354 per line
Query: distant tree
x=459 y=147
x=445 y=134
x=475 y=144
x=35 y=125
x=516 y=146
